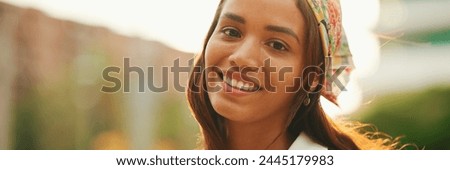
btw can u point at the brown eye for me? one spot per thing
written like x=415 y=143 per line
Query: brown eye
x=277 y=45
x=231 y=32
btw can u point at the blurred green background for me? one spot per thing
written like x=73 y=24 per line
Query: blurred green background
x=421 y=118
x=50 y=81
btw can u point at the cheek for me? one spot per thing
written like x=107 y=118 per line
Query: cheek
x=287 y=77
x=214 y=52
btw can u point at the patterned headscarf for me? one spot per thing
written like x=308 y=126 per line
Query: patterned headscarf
x=338 y=59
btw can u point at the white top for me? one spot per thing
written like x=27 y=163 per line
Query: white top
x=303 y=142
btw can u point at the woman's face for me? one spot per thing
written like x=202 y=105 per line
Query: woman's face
x=253 y=57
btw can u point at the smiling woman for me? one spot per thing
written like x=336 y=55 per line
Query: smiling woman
x=264 y=66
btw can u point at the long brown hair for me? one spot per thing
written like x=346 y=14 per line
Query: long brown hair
x=309 y=119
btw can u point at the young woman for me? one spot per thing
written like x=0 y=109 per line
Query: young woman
x=264 y=66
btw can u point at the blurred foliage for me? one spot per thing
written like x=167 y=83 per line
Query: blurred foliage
x=176 y=128
x=67 y=113
x=441 y=37
x=420 y=118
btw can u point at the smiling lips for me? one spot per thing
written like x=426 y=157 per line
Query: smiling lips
x=240 y=81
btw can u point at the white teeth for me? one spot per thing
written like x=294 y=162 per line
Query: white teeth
x=252 y=87
x=234 y=82
x=246 y=86
x=239 y=84
x=227 y=80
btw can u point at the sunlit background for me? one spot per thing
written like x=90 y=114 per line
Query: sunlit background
x=53 y=52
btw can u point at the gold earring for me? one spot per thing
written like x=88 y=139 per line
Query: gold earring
x=307 y=100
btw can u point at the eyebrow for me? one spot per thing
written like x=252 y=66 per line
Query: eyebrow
x=271 y=28
x=284 y=30
x=235 y=17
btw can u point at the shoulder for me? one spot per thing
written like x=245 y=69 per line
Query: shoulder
x=304 y=142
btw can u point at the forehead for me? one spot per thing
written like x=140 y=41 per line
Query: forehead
x=278 y=12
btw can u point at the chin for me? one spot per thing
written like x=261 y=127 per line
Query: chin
x=235 y=113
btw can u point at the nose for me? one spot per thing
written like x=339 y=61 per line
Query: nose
x=246 y=54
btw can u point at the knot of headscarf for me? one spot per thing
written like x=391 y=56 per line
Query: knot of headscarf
x=338 y=59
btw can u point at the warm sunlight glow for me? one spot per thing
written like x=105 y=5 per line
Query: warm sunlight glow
x=183 y=24
x=178 y=23
x=359 y=19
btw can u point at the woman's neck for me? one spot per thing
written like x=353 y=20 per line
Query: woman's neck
x=267 y=134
